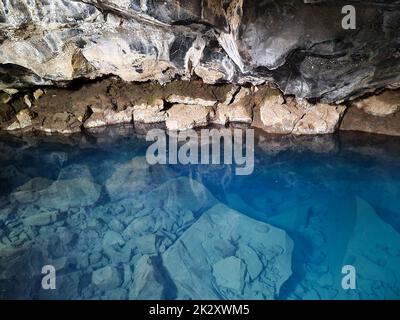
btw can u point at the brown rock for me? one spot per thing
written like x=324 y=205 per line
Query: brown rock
x=357 y=120
x=381 y=105
x=319 y=119
x=184 y=117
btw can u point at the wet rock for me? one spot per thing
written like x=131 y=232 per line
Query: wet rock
x=184 y=117
x=129 y=179
x=112 y=238
x=30 y=191
x=106 y=278
x=251 y=259
x=147 y=283
x=212 y=270
x=63 y=194
x=230 y=273
x=41 y=219
x=117 y=294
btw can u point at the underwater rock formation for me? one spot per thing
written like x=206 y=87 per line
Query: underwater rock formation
x=225 y=261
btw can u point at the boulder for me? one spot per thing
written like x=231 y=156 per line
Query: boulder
x=147 y=281
x=376 y=114
x=30 y=191
x=319 y=119
x=24 y=120
x=275 y=115
x=64 y=194
x=149 y=113
x=41 y=219
x=230 y=273
x=209 y=260
x=190 y=100
x=129 y=179
x=106 y=278
x=381 y=105
x=238 y=113
x=184 y=117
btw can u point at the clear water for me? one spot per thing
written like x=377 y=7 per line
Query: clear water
x=115 y=228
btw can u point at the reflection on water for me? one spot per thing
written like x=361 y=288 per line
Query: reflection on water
x=115 y=227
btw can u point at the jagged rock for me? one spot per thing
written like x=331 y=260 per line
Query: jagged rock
x=275 y=115
x=60 y=122
x=112 y=238
x=147 y=283
x=190 y=100
x=6 y=112
x=106 y=278
x=30 y=191
x=41 y=219
x=63 y=194
x=109 y=117
x=129 y=179
x=356 y=119
x=38 y=93
x=239 y=111
x=230 y=273
x=243 y=41
x=24 y=120
x=319 y=119
x=149 y=113
x=381 y=105
x=212 y=269
x=184 y=117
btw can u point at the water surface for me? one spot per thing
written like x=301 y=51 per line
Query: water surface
x=115 y=227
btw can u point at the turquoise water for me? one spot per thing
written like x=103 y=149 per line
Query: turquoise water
x=114 y=227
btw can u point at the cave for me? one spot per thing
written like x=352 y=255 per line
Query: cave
x=200 y=149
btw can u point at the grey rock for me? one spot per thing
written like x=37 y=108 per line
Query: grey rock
x=244 y=41
x=106 y=278
x=146 y=281
x=215 y=264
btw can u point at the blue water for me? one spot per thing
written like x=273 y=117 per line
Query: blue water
x=114 y=227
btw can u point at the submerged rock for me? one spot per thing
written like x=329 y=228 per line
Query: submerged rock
x=63 y=194
x=214 y=266
x=129 y=179
x=147 y=283
x=106 y=278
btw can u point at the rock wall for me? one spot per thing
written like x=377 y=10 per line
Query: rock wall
x=299 y=45
x=291 y=51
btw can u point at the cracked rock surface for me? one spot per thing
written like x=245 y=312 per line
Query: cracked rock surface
x=298 y=45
